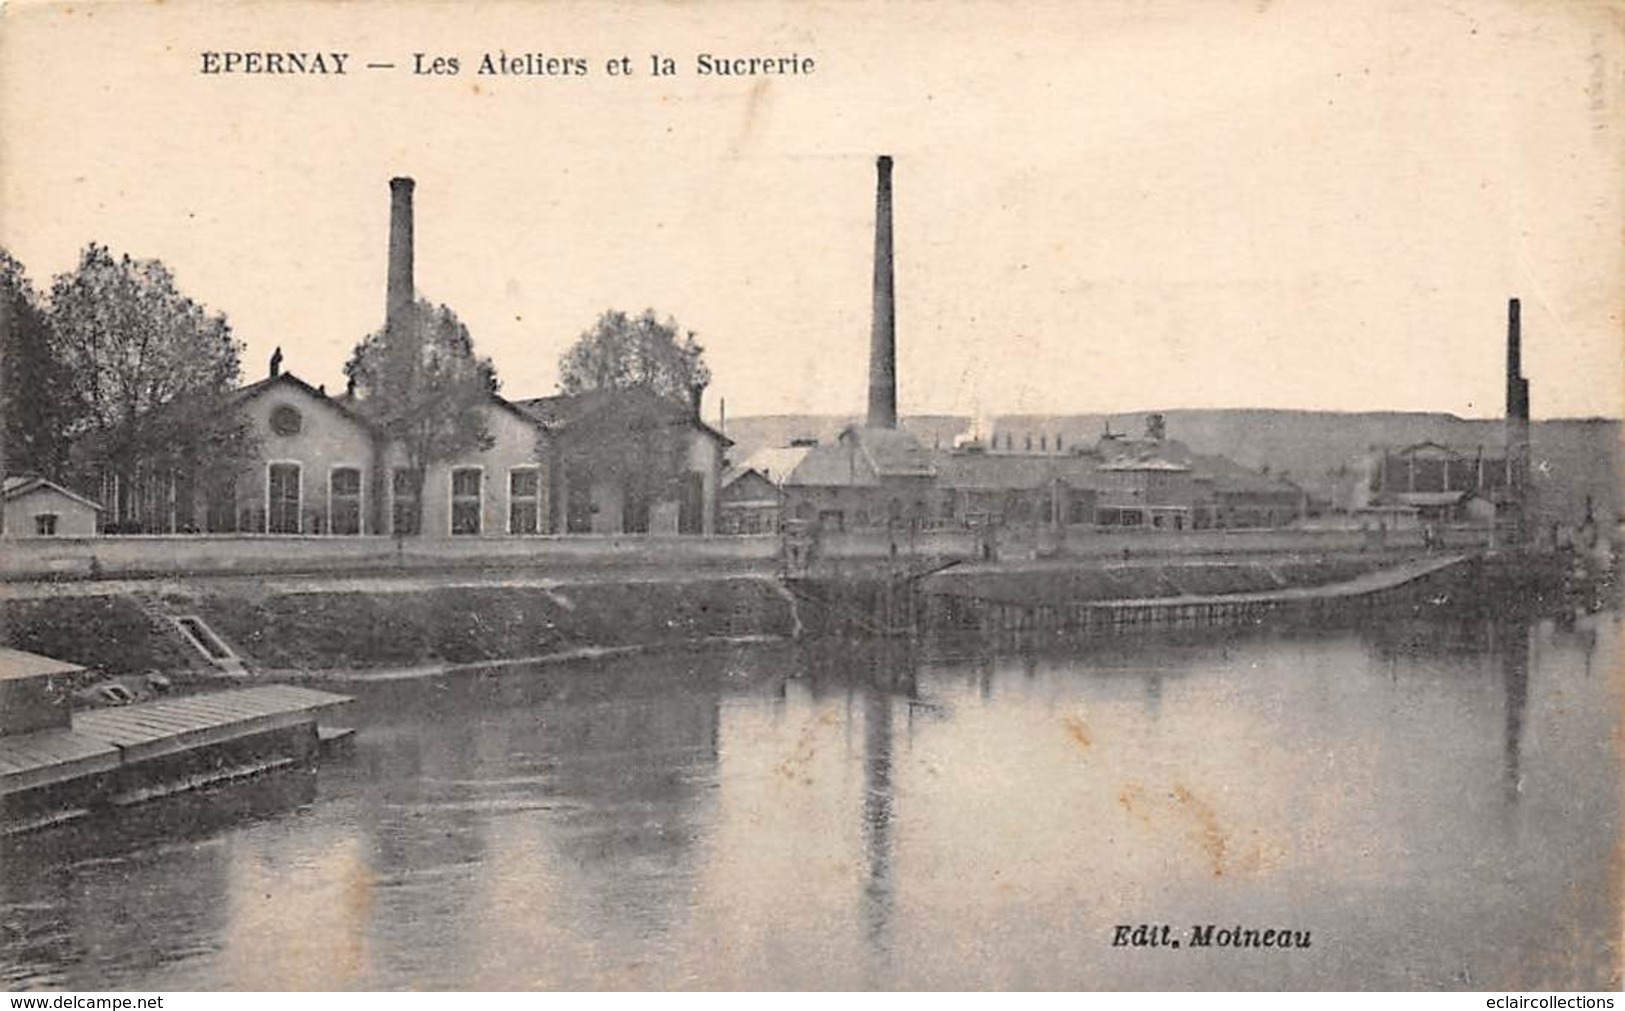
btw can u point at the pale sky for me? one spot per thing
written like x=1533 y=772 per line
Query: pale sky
x=1103 y=207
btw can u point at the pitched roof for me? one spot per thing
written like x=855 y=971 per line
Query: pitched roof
x=564 y=410
x=23 y=484
x=1230 y=476
x=892 y=452
x=359 y=407
x=838 y=465
x=739 y=475
x=517 y=411
x=777 y=463
x=347 y=404
x=862 y=457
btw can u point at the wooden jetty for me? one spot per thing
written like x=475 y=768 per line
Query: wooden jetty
x=64 y=765
x=1197 y=610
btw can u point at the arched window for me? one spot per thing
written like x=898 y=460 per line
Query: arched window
x=286 y=420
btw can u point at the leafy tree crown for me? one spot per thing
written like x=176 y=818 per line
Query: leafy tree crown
x=145 y=371
x=420 y=380
x=622 y=352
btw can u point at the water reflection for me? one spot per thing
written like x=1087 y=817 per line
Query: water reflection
x=942 y=815
x=80 y=904
x=1515 y=647
x=877 y=813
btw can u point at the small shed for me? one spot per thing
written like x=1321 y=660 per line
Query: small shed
x=37 y=507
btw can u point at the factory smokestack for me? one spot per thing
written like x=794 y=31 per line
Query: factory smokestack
x=883 y=335
x=1517 y=385
x=1517 y=423
x=401 y=291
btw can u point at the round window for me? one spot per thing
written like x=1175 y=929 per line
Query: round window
x=285 y=420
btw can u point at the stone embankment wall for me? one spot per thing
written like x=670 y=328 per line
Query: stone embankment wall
x=196 y=555
x=25 y=558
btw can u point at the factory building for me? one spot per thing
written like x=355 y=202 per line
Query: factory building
x=878 y=475
x=873 y=474
x=1428 y=482
x=603 y=462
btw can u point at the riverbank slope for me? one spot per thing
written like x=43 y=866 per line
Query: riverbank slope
x=312 y=624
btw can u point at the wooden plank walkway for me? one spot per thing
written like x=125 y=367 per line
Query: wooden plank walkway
x=105 y=739
x=51 y=756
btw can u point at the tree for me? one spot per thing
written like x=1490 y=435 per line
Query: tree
x=624 y=352
x=146 y=380
x=637 y=441
x=420 y=381
x=31 y=385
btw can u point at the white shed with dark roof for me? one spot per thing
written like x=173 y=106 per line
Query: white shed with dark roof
x=36 y=507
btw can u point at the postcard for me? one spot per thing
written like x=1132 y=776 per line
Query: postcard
x=811 y=496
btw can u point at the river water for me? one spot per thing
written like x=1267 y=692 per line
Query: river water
x=1436 y=803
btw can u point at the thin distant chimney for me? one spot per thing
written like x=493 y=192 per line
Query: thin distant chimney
x=1517 y=421
x=401 y=290
x=883 y=333
x=1517 y=385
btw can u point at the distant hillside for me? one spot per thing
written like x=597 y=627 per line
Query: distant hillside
x=1572 y=458
x=769 y=430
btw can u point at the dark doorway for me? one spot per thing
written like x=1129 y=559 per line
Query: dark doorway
x=578 y=503
x=635 y=510
x=691 y=505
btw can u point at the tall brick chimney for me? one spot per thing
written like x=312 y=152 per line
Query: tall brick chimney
x=883 y=332
x=401 y=291
x=1517 y=385
x=1517 y=419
